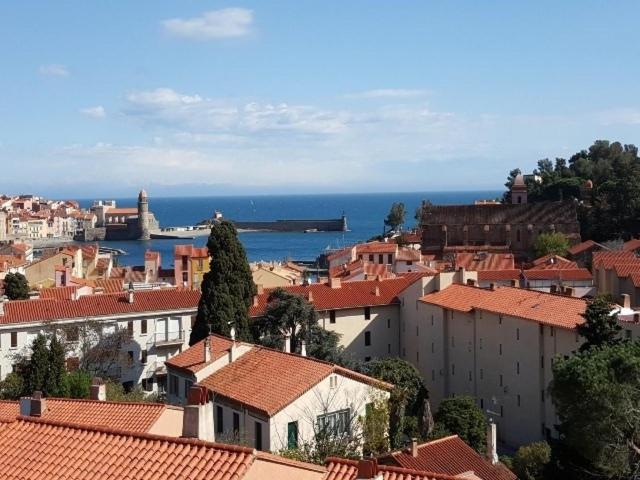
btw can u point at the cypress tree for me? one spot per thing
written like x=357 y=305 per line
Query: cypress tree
x=56 y=384
x=227 y=289
x=38 y=370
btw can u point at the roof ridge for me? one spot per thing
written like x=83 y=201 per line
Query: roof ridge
x=108 y=402
x=417 y=472
x=271 y=457
x=144 y=435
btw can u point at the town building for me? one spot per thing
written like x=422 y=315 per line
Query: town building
x=251 y=408
x=190 y=264
x=507 y=227
x=276 y=274
x=617 y=272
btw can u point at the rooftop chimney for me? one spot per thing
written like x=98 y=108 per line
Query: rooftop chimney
x=568 y=291
x=553 y=289
x=367 y=469
x=255 y=300
x=287 y=343
x=259 y=289
x=492 y=443
x=130 y=293
x=471 y=282
x=197 y=419
x=414 y=447
x=376 y=291
x=233 y=347
x=625 y=300
x=207 y=350
x=3 y=299
x=492 y=286
x=514 y=283
x=334 y=283
x=303 y=348
x=310 y=296
x=98 y=389
x=33 y=406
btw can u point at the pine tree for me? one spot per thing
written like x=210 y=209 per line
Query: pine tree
x=38 y=369
x=16 y=286
x=56 y=382
x=227 y=289
x=600 y=326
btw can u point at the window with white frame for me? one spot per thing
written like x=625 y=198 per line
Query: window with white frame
x=334 y=423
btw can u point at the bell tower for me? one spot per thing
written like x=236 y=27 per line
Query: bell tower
x=143 y=216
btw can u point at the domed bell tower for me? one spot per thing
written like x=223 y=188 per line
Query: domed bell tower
x=143 y=216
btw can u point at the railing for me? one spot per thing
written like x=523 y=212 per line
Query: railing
x=167 y=338
x=156 y=368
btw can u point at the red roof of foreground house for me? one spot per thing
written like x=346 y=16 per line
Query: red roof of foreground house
x=584 y=246
x=192 y=359
x=59 y=293
x=346 y=469
x=250 y=378
x=24 y=311
x=607 y=259
x=376 y=247
x=360 y=267
x=545 y=308
x=449 y=456
x=485 y=261
x=130 y=417
x=347 y=295
x=52 y=450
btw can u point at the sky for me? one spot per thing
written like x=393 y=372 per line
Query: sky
x=193 y=97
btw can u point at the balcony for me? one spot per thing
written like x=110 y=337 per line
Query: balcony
x=166 y=339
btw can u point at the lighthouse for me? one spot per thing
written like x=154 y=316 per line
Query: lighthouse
x=143 y=216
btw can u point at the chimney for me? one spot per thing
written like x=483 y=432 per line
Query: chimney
x=33 y=406
x=492 y=443
x=414 y=447
x=287 y=343
x=130 y=293
x=625 y=300
x=514 y=283
x=98 y=389
x=568 y=291
x=554 y=289
x=334 y=283
x=3 y=299
x=303 y=348
x=310 y=296
x=207 y=350
x=197 y=419
x=367 y=469
x=471 y=282
x=376 y=291
x=233 y=347
x=492 y=286
x=255 y=300
x=259 y=289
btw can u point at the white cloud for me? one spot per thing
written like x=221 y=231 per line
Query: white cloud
x=215 y=24
x=389 y=93
x=94 y=112
x=54 y=70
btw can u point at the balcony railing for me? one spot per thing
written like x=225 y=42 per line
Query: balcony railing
x=167 y=339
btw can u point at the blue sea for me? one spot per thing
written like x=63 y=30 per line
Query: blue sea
x=365 y=216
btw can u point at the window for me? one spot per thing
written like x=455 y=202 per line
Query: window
x=501 y=380
x=482 y=374
x=389 y=259
x=380 y=258
x=432 y=320
x=453 y=369
x=482 y=403
x=367 y=339
x=332 y=316
x=258 y=435
x=143 y=327
x=388 y=323
x=542 y=361
x=480 y=344
x=388 y=348
x=72 y=334
x=551 y=331
x=367 y=359
x=500 y=319
x=236 y=424
x=433 y=375
x=409 y=263
x=518 y=399
x=500 y=349
x=147 y=384
x=334 y=423
x=14 y=339
x=130 y=328
x=143 y=357
x=173 y=385
x=367 y=313
x=542 y=395
x=333 y=381
x=185 y=277
x=371 y=258
x=292 y=435
x=433 y=347
x=219 y=419
x=418 y=356
x=417 y=330
x=130 y=357
x=501 y=411
x=469 y=375
x=517 y=334
x=518 y=368
x=187 y=387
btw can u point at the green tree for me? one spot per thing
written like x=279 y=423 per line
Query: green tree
x=530 y=461
x=396 y=216
x=596 y=397
x=227 y=289
x=12 y=387
x=461 y=416
x=551 y=243
x=16 y=286
x=78 y=384
x=37 y=370
x=56 y=380
x=422 y=210
x=600 y=326
x=375 y=427
x=117 y=393
x=407 y=401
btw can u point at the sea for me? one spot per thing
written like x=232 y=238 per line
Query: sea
x=365 y=217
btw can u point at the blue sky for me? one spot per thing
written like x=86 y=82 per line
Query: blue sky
x=197 y=97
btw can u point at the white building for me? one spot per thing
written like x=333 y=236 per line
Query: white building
x=270 y=399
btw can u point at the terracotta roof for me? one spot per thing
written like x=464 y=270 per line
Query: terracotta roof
x=376 y=247
x=192 y=359
x=584 y=246
x=110 y=285
x=410 y=254
x=575 y=274
x=449 y=456
x=607 y=259
x=38 y=310
x=488 y=275
x=631 y=245
x=250 y=381
x=545 y=308
x=551 y=261
x=339 y=253
x=52 y=450
x=623 y=270
x=348 y=295
x=190 y=251
x=122 y=211
x=360 y=267
x=130 y=417
x=485 y=261
x=346 y=469
x=58 y=293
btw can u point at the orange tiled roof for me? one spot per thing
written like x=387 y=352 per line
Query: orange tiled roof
x=553 y=262
x=410 y=254
x=346 y=469
x=190 y=251
x=449 y=456
x=489 y=275
x=339 y=253
x=607 y=259
x=23 y=311
x=58 y=293
x=110 y=285
x=51 y=450
x=623 y=270
x=353 y=269
x=631 y=245
x=192 y=359
x=122 y=211
x=348 y=295
x=485 y=261
x=549 y=309
x=584 y=246
x=249 y=379
x=376 y=247
x=575 y=274
x=125 y=416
